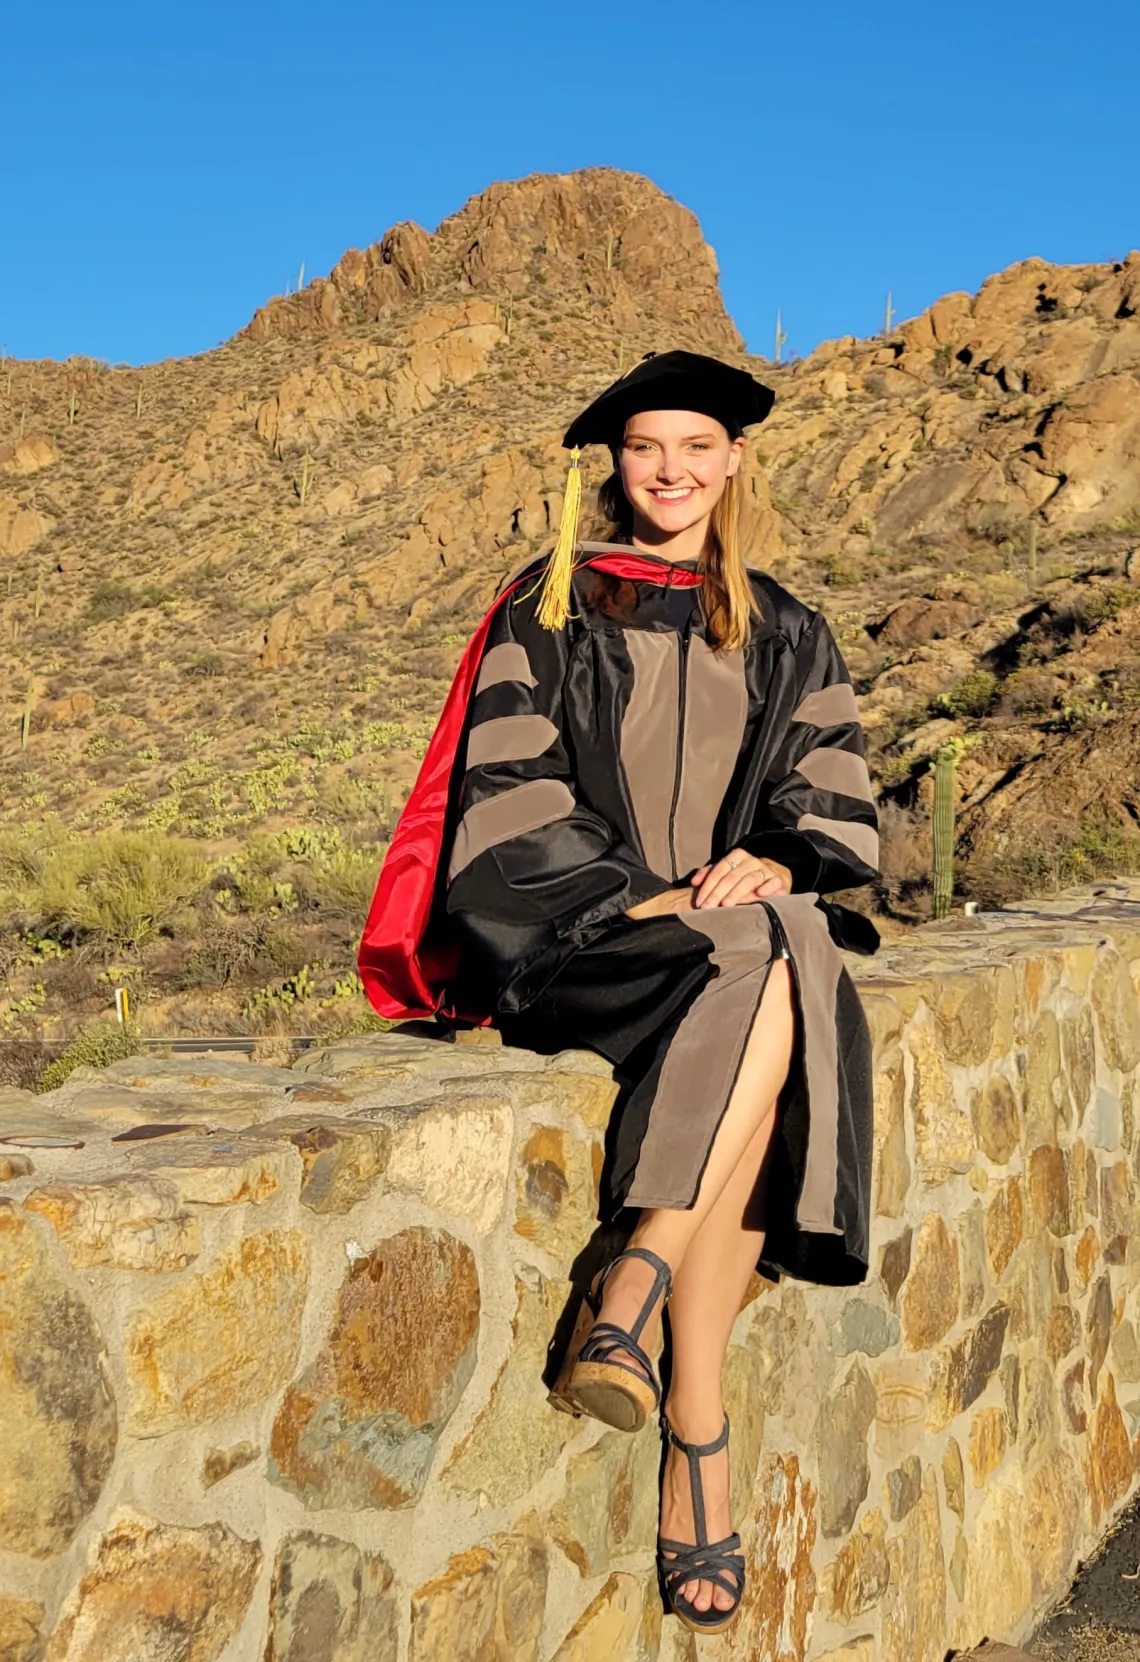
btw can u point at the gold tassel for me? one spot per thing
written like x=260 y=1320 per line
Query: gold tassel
x=554 y=604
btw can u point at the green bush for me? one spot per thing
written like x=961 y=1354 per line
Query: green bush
x=1100 y=849
x=341 y=885
x=1101 y=604
x=96 y=1046
x=974 y=695
x=118 y=889
x=110 y=599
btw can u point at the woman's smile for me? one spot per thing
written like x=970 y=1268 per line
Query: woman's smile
x=674 y=467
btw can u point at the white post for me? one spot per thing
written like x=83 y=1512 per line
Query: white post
x=122 y=1005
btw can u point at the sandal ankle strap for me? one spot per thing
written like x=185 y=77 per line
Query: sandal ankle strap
x=698 y=1450
x=662 y=1283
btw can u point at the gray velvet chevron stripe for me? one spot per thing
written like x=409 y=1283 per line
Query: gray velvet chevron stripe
x=506 y=662
x=509 y=739
x=843 y=771
x=862 y=840
x=497 y=819
x=829 y=707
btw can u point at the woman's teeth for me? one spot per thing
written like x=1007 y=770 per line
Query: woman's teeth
x=673 y=496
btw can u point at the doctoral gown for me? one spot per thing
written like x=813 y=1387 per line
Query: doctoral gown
x=580 y=771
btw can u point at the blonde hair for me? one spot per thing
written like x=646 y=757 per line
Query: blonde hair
x=727 y=598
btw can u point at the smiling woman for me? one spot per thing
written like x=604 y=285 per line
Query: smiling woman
x=649 y=771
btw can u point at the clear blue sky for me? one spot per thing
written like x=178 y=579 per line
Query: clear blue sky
x=169 y=166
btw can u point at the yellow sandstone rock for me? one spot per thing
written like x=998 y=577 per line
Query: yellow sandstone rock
x=223 y=1339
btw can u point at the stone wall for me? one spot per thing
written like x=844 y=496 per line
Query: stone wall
x=270 y=1382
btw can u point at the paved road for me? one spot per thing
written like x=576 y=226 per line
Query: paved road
x=196 y=1047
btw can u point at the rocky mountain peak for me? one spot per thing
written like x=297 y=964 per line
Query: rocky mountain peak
x=611 y=242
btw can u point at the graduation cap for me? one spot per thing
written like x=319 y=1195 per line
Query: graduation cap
x=661 y=381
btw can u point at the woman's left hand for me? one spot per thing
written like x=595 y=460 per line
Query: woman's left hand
x=739 y=879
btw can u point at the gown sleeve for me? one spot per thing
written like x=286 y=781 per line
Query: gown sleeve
x=530 y=864
x=817 y=813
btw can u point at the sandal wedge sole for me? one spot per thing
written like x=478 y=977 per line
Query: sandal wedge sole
x=557 y=1396
x=611 y=1394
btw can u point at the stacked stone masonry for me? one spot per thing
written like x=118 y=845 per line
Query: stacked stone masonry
x=270 y=1382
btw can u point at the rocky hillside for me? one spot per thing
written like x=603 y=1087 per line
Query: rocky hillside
x=235 y=585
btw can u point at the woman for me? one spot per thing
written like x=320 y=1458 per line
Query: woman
x=649 y=769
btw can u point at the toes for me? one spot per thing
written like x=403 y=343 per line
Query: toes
x=723 y=1600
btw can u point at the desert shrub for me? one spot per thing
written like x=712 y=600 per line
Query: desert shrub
x=1027 y=693
x=351 y=801
x=22 y=1061
x=905 y=851
x=97 y=1046
x=1101 y=604
x=353 y=1026
x=1077 y=713
x=71 y=981
x=912 y=716
x=341 y=884
x=205 y=666
x=117 y=889
x=973 y=696
x=893 y=771
x=109 y=600
x=1100 y=848
x=227 y=950
x=840 y=573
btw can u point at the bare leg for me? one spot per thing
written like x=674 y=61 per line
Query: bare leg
x=707 y=1294
x=763 y=1070
x=724 y=1245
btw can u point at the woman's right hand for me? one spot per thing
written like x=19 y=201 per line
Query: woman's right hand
x=660 y=905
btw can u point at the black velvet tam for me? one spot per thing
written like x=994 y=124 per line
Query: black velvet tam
x=673 y=381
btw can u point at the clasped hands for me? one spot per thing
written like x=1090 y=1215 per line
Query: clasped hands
x=737 y=880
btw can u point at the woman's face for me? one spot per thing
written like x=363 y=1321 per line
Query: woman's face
x=674 y=466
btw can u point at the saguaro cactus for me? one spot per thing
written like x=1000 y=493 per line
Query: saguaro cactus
x=781 y=337
x=303 y=482
x=945 y=779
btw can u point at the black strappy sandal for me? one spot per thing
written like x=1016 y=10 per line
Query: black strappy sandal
x=595 y=1382
x=720 y=1562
